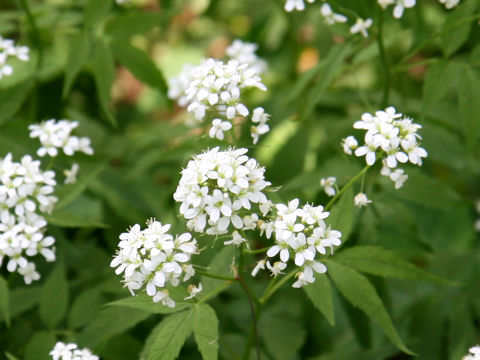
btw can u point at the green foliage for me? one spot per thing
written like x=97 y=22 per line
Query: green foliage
x=5 y=300
x=205 y=330
x=54 y=297
x=320 y=293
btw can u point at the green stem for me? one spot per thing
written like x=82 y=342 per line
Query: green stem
x=254 y=252
x=249 y=292
x=215 y=292
x=214 y=276
x=271 y=290
x=346 y=187
x=383 y=57
x=34 y=30
x=254 y=328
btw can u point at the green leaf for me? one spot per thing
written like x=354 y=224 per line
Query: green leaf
x=39 y=346
x=360 y=293
x=174 y=331
x=104 y=75
x=145 y=302
x=140 y=64
x=439 y=79
x=4 y=300
x=342 y=215
x=382 y=262
x=332 y=64
x=10 y=356
x=205 y=330
x=12 y=98
x=109 y=322
x=85 y=307
x=455 y=36
x=95 y=11
x=220 y=265
x=23 y=299
x=78 y=52
x=69 y=219
x=469 y=104
x=54 y=297
x=131 y=23
x=320 y=293
x=69 y=192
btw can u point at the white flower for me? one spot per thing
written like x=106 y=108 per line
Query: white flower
x=62 y=351
x=215 y=187
x=71 y=174
x=361 y=200
x=361 y=26
x=193 y=291
x=29 y=273
x=237 y=239
x=349 y=144
x=9 y=50
x=153 y=258
x=330 y=17
x=473 y=353
x=449 y=4
x=244 y=53
x=260 y=266
x=384 y=3
x=299 y=5
x=259 y=117
x=277 y=267
x=329 y=185
x=54 y=135
x=401 y=6
x=218 y=127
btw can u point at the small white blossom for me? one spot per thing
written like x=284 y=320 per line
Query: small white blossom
x=277 y=267
x=330 y=17
x=349 y=144
x=9 y=50
x=361 y=26
x=54 y=135
x=299 y=5
x=361 y=200
x=328 y=185
x=237 y=239
x=244 y=53
x=449 y=4
x=62 y=351
x=218 y=127
x=260 y=266
x=153 y=258
x=71 y=174
x=193 y=291
x=473 y=353
x=259 y=117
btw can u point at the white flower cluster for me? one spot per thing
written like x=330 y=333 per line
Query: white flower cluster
x=390 y=137
x=400 y=6
x=473 y=353
x=331 y=18
x=25 y=193
x=361 y=26
x=154 y=258
x=54 y=135
x=70 y=351
x=329 y=185
x=449 y=4
x=301 y=234
x=299 y=5
x=8 y=50
x=215 y=87
x=361 y=200
x=218 y=188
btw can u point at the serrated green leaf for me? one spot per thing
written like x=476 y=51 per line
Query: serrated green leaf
x=4 y=300
x=174 y=331
x=468 y=95
x=12 y=98
x=145 y=302
x=329 y=71
x=342 y=215
x=39 y=346
x=109 y=322
x=69 y=192
x=95 y=11
x=205 y=330
x=360 y=293
x=104 y=75
x=78 y=52
x=382 y=262
x=320 y=293
x=455 y=36
x=54 y=297
x=131 y=23
x=439 y=79
x=140 y=65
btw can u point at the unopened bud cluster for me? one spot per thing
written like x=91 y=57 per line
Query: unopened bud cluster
x=218 y=190
x=25 y=195
x=154 y=258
